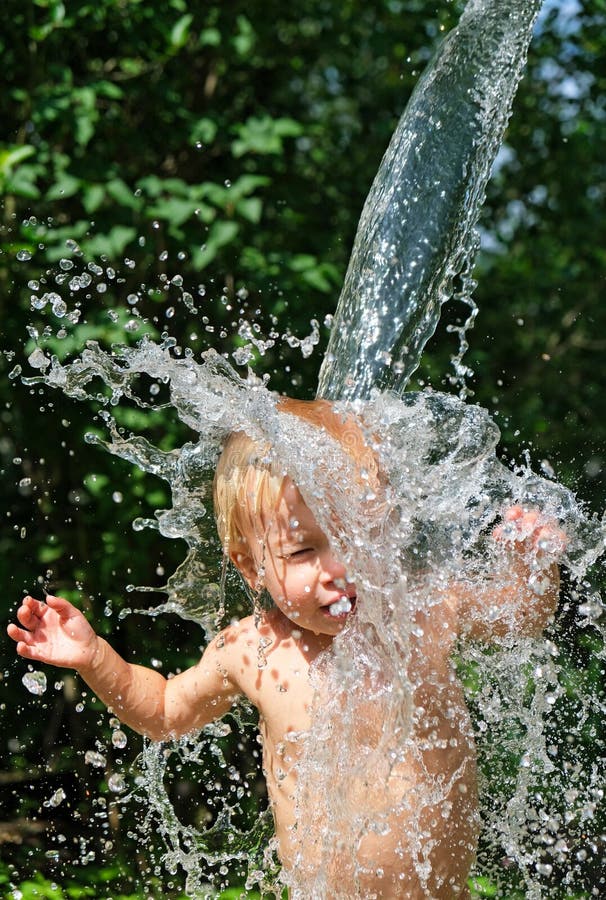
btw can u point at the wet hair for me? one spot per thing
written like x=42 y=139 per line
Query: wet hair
x=248 y=480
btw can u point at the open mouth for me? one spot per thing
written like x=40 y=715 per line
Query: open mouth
x=342 y=606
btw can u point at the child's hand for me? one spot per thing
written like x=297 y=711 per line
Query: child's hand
x=53 y=632
x=527 y=530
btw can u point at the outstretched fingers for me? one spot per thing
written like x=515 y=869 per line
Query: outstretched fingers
x=529 y=529
x=23 y=639
x=62 y=607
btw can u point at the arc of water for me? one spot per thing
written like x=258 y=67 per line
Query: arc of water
x=416 y=232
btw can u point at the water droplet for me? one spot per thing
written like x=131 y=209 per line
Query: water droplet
x=119 y=739
x=57 y=798
x=92 y=758
x=38 y=302
x=116 y=783
x=38 y=360
x=243 y=355
x=117 y=497
x=58 y=306
x=23 y=255
x=35 y=682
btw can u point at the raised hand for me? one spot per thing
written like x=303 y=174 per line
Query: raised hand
x=538 y=543
x=529 y=530
x=53 y=632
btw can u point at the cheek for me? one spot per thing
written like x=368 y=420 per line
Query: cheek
x=303 y=586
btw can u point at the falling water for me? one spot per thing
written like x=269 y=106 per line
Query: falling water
x=424 y=525
x=416 y=232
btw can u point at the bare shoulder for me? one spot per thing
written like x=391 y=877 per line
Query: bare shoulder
x=240 y=632
x=236 y=647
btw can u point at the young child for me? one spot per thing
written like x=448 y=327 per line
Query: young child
x=275 y=542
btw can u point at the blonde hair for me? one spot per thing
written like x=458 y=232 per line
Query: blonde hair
x=246 y=483
x=248 y=480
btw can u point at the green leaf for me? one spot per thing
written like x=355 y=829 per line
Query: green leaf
x=12 y=156
x=302 y=261
x=22 y=183
x=48 y=553
x=317 y=279
x=95 y=484
x=244 y=40
x=109 y=89
x=250 y=208
x=111 y=244
x=84 y=129
x=151 y=185
x=204 y=130
x=177 y=186
x=246 y=184
x=180 y=31
x=263 y=135
x=65 y=186
x=220 y=234
x=92 y=197
x=482 y=887
x=173 y=210
x=209 y=37
x=319 y=275
x=119 y=191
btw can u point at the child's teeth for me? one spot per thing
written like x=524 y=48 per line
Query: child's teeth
x=342 y=605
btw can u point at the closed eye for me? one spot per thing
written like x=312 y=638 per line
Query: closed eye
x=298 y=553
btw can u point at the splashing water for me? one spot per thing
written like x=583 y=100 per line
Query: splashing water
x=381 y=764
x=35 y=682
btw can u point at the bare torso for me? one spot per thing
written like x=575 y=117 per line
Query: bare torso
x=425 y=801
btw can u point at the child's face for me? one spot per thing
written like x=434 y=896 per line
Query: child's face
x=300 y=572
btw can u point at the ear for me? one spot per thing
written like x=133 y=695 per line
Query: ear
x=245 y=565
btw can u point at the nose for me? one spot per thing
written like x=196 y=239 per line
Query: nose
x=331 y=568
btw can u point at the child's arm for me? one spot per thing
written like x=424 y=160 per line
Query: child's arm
x=56 y=632
x=522 y=598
